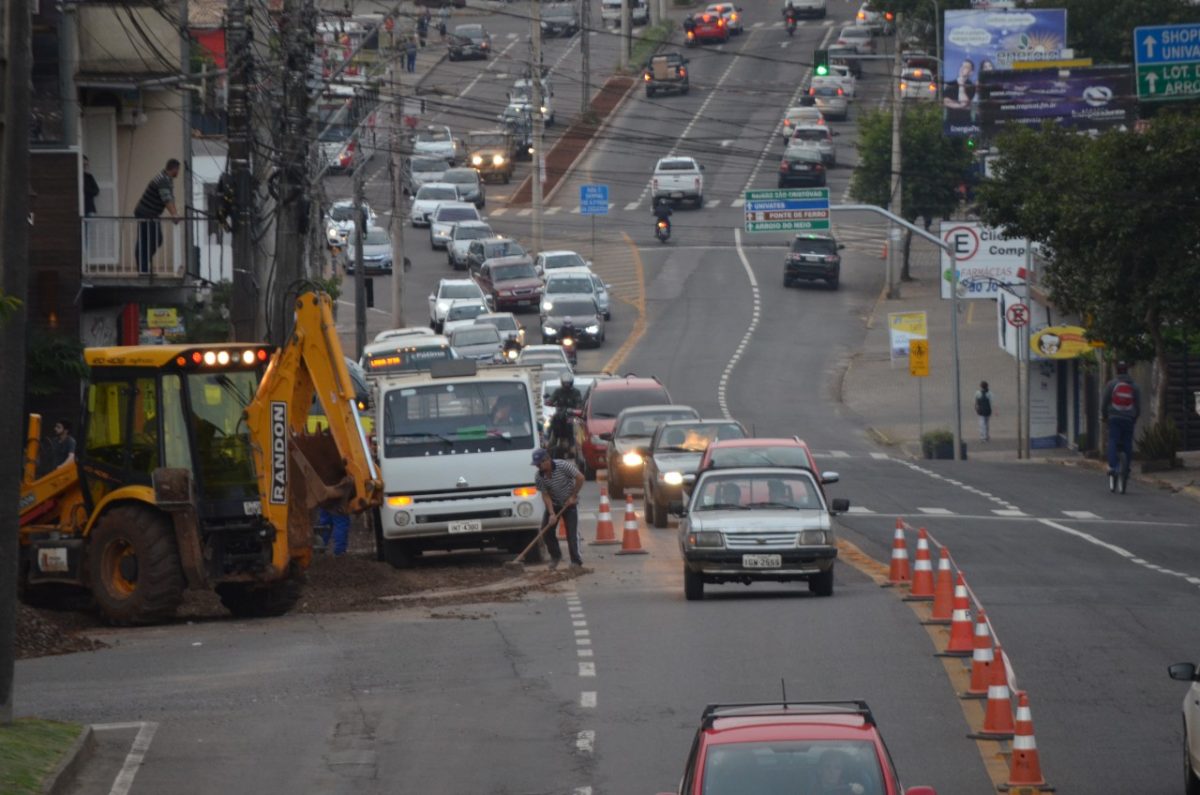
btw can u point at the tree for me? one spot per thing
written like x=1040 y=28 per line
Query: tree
x=932 y=166
x=1103 y=31
x=1121 y=225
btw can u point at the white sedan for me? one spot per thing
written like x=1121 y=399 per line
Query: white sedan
x=428 y=197
x=731 y=13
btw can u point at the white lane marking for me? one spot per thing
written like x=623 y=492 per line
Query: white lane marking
x=583 y=652
x=137 y=752
x=583 y=641
x=711 y=203
x=783 y=44
x=579 y=623
x=757 y=25
x=498 y=212
x=574 y=211
x=587 y=669
x=935 y=476
x=1125 y=553
x=738 y=202
x=1081 y=514
x=509 y=35
x=587 y=699
x=838 y=454
x=628 y=207
x=584 y=790
x=936 y=511
x=860 y=509
x=524 y=212
x=552 y=210
x=1009 y=512
x=723 y=384
x=585 y=741
x=880 y=456
x=581 y=633
x=484 y=71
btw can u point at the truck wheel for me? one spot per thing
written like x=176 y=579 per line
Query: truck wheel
x=821 y=584
x=398 y=553
x=133 y=566
x=246 y=600
x=693 y=585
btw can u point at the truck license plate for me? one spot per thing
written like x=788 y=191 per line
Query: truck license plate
x=762 y=561
x=470 y=526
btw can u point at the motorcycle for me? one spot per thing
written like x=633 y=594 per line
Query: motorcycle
x=791 y=24
x=511 y=351
x=561 y=442
x=569 y=344
x=662 y=230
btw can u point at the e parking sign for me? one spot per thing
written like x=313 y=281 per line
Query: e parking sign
x=986 y=260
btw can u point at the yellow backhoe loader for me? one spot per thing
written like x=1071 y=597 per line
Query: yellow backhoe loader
x=194 y=469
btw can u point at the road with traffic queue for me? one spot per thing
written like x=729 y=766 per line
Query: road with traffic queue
x=598 y=688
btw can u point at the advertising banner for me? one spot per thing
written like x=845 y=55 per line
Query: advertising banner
x=978 y=40
x=903 y=327
x=987 y=260
x=1084 y=99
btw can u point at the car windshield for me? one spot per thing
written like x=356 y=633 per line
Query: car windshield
x=398 y=359
x=445 y=214
x=434 y=135
x=475 y=335
x=507 y=248
x=335 y=134
x=428 y=164
x=582 y=284
x=470 y=31
x=765 y=768
x=506 y=273
x=813 y=245
x=463 y=232
x=437 y=192
x=643 y=424
x=486 y=140
x=341 y=212
x=572 y=308
x=460 y=176
x=696 y=438
x=465 y=311
x=521 y=92
x=611 y=402
x=558 y=11
x=457 y=418
x=737 y=491
x=461 y=291
x=569 y=260
x=503 y=323
x=377 y=237
x=729 y=457
x=676 y=165
x=809 y=134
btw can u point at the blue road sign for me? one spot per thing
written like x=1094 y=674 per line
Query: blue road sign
x=787 y=209
x=1167 y=62
x=593 y=200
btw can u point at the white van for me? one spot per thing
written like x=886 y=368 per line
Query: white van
x=454 y=448
x=639 y=12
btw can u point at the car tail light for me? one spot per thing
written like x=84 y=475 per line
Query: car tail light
x=840 y=92
x=697 y=184
x=812 y=92
x=818 y=167
x=654 y=184
x=831 y=258
x=647 y=76
x=682 y=72
x=903 y=86
x=783 y=165
x=787 y=123
x=889 y=16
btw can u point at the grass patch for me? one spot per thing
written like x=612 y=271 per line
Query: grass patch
x=29 y=750
x=644 y=45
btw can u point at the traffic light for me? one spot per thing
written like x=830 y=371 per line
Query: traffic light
x=821 y=62
x=971 y=142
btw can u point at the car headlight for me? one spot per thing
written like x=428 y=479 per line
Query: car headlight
x=497 y=160
x=593 y=329
x=443 y=306
x=333 y=234
x=672 y=478
x=706 y=538
x=476 y=160
x=544 y=110
x=547 y=306
x=549 y=330
x=811 y=538
x=632 y=459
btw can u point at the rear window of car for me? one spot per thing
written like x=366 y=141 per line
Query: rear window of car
x=461 y=291
x=510 y=272
x=471 y=232
x=433 y=135
x=475 y=335
x=826 y=91
x=427 y=164
x=461 y=175
x=611 y=402
x=502 y=323
x=727 y=457
x=819 y=245
x=437 y=192
x=466 y=311
x=508 y=248
x=856 y=32
x=802 y=134
x=456 y=214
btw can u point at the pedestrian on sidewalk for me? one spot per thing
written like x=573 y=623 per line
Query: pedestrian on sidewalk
x=410 y=53
x=423 y=26
x=443 y=20
x=983 y=407
x=1120 y=408
x=559 y=481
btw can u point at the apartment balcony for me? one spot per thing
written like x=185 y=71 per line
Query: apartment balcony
x=133 y=250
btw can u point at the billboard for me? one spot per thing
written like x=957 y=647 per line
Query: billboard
x=1091 y=98
x=977 y=41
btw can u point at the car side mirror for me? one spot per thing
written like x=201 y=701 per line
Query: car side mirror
x=1183 y=672
x=676 y=508
x=841 y=246
x=830 y=477
x=606 y=437
x=432 y=296
x=840 y=505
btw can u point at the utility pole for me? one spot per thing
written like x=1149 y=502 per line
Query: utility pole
x=897 y=187
x=398 y=150
x=539 y=120
x=298 y=22
x=14 y=279
x=585 y=55
x=623 y=48
x=360 y=278
x=244 y=303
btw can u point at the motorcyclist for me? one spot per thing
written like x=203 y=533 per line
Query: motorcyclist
x=511 y=349
x=663 y=212
x=789 y=11
x=566 y=397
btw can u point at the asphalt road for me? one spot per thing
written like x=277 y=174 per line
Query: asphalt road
x=598 y=689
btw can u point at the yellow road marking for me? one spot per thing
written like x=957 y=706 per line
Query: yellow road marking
x=639 y=325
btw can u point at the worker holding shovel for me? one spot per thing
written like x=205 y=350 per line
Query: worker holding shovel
x=559 y=483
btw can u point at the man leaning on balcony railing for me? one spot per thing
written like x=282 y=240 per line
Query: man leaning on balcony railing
x=159 y=195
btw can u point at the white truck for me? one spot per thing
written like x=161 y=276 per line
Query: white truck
x=454 y=448
x=639 y=12
x=678 y=179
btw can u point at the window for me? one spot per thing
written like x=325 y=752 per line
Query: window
x=177 y=449
x=696 y=438
x=108 y=414
x=770 y=767
x=428 y=164
x=476 y=335
x=224 y=467
x=725 y=458
x=787 y=490
x=466 y=311
x=676 y=165
x=570 y=260
x=510 y=272
x=452 y=291
x=582 y=284
x=610 y=402
x=814 y=245
x=463 y=232
x=446 y=419
x=437 y=192
x=452 y=214
x=572 y=308
x=143 y=432
x=644 y=424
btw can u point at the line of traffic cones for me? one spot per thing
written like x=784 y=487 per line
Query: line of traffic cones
x=605 y=532
x=631 y=539
x=922 y=574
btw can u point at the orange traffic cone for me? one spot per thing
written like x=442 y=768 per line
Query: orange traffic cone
x=898 y=573
x=605 y=532
x=922 y=577
x=631 y=539
x=943 y=591
x=1025 y=769
x=998 y=718
x=962 y=641
x=981 y=660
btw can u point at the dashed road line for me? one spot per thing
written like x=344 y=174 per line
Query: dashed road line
x=1009 y=512
x=587 y=699
x=585 y=741
x=499 y=211
x=587 y=669
x=859 y=509
x=880 y=456
x=756 y=310
x=1191 y=579
x=1080 y=514
x=936 y=511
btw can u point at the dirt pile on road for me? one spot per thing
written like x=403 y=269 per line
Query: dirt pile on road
x=41 y=633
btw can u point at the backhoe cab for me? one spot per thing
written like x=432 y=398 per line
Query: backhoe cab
x=194 y=469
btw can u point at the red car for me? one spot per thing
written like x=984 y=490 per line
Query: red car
x=707 y=27
x=605 y=401
x=782 y=452
x=803 y=747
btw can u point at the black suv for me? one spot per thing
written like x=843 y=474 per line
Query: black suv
x=813 y=256
x=665 y=72
x=560 y=19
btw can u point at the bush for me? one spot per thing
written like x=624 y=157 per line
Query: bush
x=938 y=443
x=1159 y=442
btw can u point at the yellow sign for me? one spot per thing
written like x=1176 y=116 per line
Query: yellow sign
x=162 y=317
x=905 y=326
x=1061 y=342
x=918 y=358
x=1069 y=63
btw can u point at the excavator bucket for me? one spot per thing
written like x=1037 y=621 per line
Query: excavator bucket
x=324 y=475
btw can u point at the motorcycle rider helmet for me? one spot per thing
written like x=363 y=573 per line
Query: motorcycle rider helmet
x=568 y=379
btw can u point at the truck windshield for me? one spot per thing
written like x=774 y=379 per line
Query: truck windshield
x=452 y=419
x=224 y=467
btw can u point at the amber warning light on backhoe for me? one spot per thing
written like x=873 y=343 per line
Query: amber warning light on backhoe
x=245 y=357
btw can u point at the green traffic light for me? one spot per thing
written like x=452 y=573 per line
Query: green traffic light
x=821 y=63
x=822 y=69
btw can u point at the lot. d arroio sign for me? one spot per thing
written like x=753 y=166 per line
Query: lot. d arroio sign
x=986 y=259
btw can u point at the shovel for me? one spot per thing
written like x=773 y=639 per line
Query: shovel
x=519 y=562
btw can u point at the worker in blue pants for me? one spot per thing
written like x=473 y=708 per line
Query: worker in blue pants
x=337 y=525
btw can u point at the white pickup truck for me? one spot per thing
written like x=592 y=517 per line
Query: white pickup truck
x=678 y=179
x=454 y=447
x=806 y=8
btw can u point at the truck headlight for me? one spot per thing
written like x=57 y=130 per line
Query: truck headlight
x=672 y=478
x=544 y=110
x=811 y=538
x=498 y=160
x=476 y=160
x=632 y=459
x=402 y=518
x=706 y=538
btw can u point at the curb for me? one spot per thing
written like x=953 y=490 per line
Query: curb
x=59 y=780
x=591 y=141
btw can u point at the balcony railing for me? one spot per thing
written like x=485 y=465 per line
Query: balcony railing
x=133 y=248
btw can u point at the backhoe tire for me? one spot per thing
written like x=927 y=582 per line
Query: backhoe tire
x=133 y=566
x=398 y=553
x=248 y=600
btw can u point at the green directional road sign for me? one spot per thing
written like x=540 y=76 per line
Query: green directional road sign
x=787 y=210
x=1166 y=82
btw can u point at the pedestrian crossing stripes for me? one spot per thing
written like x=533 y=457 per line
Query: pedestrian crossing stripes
x=936 y=511
x=1080 y=514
